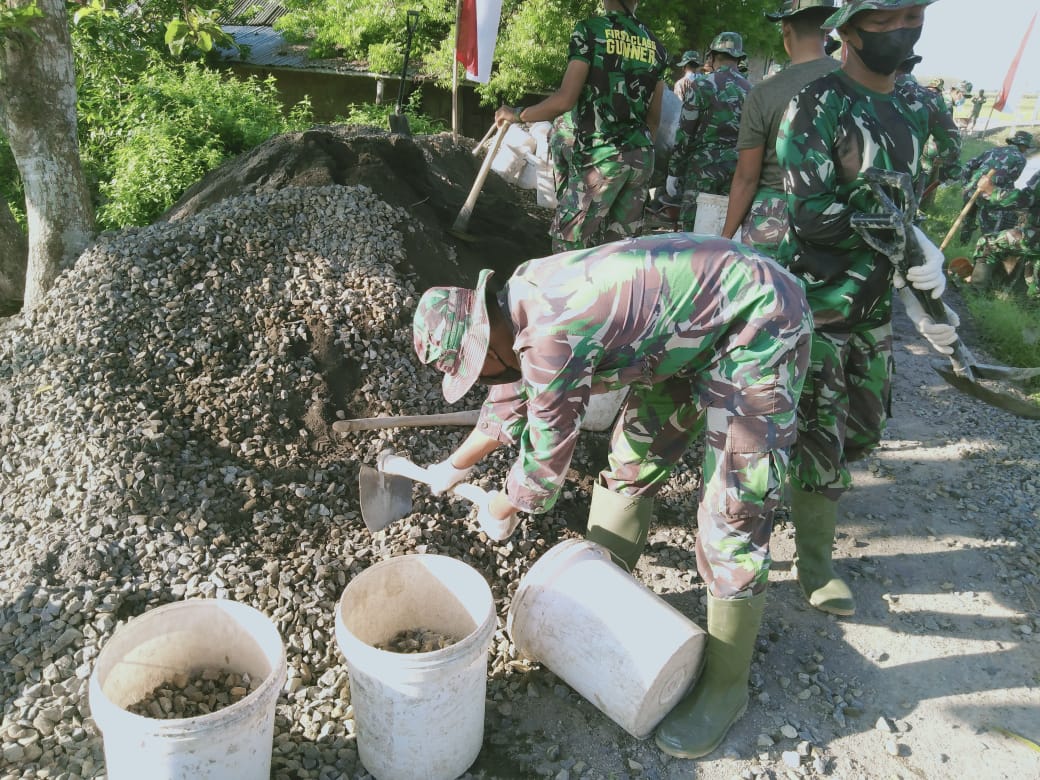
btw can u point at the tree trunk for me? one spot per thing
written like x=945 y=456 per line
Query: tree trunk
x=38 y=116
x=13 y=250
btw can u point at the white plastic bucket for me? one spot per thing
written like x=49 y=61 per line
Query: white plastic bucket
x=603 y=409
x=711 y=214
x=187 y=637
x=418 y=715
x=612 y=640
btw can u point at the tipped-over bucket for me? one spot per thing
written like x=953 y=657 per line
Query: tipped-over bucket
x=612 y=640
x=184 y=639
x=418 y=715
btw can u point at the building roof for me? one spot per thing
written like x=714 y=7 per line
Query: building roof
x=256 y=12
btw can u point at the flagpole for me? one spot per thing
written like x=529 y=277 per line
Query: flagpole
x=455 y=74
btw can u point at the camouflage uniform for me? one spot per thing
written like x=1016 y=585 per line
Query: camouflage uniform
x=1008 y=163
x=705 y=153
x=704 y=333
x=1022 y=241
x=613 y=156
x=824 y=139
x=766 y=221
x=561 y=149
x=943 y=149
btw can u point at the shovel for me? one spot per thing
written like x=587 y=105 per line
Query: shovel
x=385 y=492
x=964 y=211
x=964 y=372
x=458 y=229
x=398 y=121
x=468 y=417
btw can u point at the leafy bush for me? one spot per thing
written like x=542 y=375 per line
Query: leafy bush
x=373 y=115
x=175 y=125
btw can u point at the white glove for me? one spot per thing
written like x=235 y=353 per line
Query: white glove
x=929 y=276
x=940 y=336
x=671 y=186
x=496 y=529
x=444 y=476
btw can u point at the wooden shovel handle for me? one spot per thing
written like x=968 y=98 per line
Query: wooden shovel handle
x=462 y=220
x=468 y=417
x=483 y=140
x=964 y=211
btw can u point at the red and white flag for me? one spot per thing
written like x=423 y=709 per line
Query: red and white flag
x=477 y=34
x=1009 y=79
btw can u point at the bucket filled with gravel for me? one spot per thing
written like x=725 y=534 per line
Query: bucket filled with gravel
x=188 y=690
x=416 y=631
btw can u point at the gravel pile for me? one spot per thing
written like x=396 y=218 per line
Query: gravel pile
x=167 y=435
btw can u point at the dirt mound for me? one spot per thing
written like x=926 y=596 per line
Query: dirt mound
x=428 y=176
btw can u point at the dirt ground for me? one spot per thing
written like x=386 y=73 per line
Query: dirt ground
x=939 y=668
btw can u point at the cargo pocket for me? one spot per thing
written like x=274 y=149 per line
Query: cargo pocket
x=756 y=460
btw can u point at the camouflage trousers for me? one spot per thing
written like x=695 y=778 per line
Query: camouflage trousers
x=745 y=397
x=603 y=201
x=711 y=176
x=766 y=223
x=843 y=409
x=990 y=221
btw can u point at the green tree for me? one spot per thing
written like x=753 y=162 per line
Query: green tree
x=531 y=54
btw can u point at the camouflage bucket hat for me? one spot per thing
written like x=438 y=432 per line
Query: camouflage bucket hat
x=965 y=87
x=791 y=7
x=689 y=56
x=850 y=9
x=451 y=331
x=1022 y=138
x=728 y=43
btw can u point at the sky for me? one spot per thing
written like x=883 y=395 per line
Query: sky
x=976 y=40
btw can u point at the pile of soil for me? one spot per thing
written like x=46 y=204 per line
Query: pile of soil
x=429 y=176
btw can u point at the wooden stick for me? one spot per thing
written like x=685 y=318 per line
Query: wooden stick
x=483 y=140
x=468 y=417
x=462 y=220
x=964 y=211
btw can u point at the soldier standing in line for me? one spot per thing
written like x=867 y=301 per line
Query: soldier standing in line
x=835 y=129
x=614 y=82
x=1008 y=162
x=940 y=160
x=757 y=203
x=705 y=153
x=690 y=62
x=1022 y=241
x=709 y=337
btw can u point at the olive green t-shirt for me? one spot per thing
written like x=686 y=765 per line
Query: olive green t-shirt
x=764 y=108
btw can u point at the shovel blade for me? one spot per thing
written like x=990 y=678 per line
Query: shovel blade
x=399 y=124
x=384 y=498
x=1006 y=400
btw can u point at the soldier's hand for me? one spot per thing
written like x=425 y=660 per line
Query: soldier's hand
x=444 y=476
x=940 y=335
x=497 y=517
x=671 y=186
x=928 y=277
x=986 y=185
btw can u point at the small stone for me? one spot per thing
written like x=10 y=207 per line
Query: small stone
x=884 y=725
x=764 y=740
x=791 y=759
x=891 y=747
x=789 y=731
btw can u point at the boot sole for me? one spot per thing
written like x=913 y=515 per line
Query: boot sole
x=675 y=753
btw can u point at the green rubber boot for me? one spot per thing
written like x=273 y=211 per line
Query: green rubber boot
x=815 y=517
x=982 y=275
x=698 y=724
x=620 y=523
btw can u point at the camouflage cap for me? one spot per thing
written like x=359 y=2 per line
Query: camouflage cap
x=451 y=330
x=1022 y=138
x=850 y=9
x=791 y=7
x=728 y=43
x=936 y=84
x=689 y=56
x=965 y=87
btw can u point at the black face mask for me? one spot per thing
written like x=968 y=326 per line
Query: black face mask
x=882 y=52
